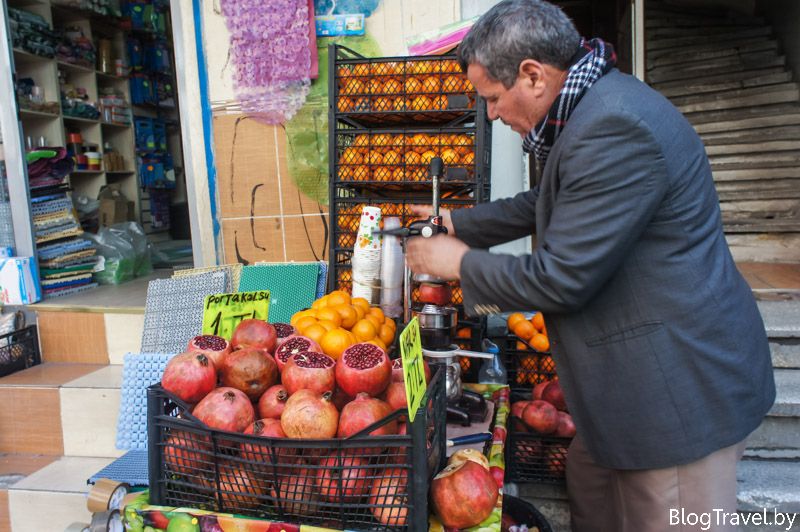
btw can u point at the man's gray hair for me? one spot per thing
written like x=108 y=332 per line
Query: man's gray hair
x=515 y=30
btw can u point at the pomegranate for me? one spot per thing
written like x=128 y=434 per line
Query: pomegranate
x=214 y=347
x=553 y=394
x=310 y=415
x=536 y=395
x=463 y=494
x=344 y=480
x=225 y=409
x=469 y=454
x=265 y=428
x=395 y=395
x=254 y=333
x=434 y=293
x=397 y=370
x=363 y=367
x=362 y=412
x=566 y=427
x=499 y=475
x=518 y=407
x=283 y=331
x=189 y=376
x=238 y=489
x=340 y=399
x=297 y=494
x=541 y=416
x=388 y=497
x=250 y=370
x=185 y=452
x=272 y=402
x=311 y=371
x=555 y=456
x=293 y=345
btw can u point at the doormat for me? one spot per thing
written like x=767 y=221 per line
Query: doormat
x=292 y=286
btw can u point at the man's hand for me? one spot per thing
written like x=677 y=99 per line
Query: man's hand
x=424 y=211
x=439 y=255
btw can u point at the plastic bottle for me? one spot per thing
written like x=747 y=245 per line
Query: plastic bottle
x=492 y=370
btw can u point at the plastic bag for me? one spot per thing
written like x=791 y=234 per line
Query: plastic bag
x=125 y=252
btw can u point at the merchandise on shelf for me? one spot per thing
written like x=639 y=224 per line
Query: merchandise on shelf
x=114 y=107
x=30 y=96
x=32 y=33
x=76 y=48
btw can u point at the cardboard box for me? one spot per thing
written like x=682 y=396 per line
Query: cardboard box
x=114 y=206
x=19 y=281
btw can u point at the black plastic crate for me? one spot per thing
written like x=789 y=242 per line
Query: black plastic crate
x=525 y=366
x=19 y=350
x=398 y=90
x=287 y=479
x=532 y=457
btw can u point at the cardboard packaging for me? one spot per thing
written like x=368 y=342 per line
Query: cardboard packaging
x=19 y=281
x=114 y=206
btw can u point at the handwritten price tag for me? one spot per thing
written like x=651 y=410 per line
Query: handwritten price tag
x=223 y=312
x=413 y=369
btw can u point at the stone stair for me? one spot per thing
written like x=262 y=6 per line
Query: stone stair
x=769 y=471
x=727 y=74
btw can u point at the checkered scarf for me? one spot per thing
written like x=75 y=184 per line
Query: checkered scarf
x=594 y=59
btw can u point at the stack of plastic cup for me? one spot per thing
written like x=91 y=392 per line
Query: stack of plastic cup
x=392 y=269
x=366 y=261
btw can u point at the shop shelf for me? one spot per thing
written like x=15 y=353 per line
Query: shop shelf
x=191 y=465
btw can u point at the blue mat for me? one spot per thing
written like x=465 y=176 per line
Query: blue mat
x=130 y=468
x=139 y=371
x=292 y=286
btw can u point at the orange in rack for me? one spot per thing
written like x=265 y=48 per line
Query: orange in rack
x=399 y=174
x=453 y=83
x=431 y=84
x=382 y=173
x=428 y=156
x=345 y=173
x=538 y=321
x=513 y=319
x=345 y=104
x=361 y=69
x=361 y=140
x=450 y=65
x=440 y=102
x=413 y=85
x=375 y=86
x=524 y=329
x=421 y=103
x=382 y=139
x=353 y=86
x=393 y=86
x=392 y=157
x=468 y=159
x=351 y=156
x=374 y=158
x=449 y=156
x=399 y=104
x=540 y=342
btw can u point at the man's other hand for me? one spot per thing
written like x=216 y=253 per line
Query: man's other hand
x=424 y=211
x=439 y=256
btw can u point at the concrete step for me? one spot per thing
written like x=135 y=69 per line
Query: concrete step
x=760 y=225
x=757 y=173
x=751 y=136
x=758 y=189
x=755 y=160
x=726 y=83
x=708 y=46
x=668 y=33
x=783 y=114
x=720 y=78
x=711 y=54
x=733 y=38
x=726 y=65
x=781 y=428
x=733 y=99
x=53 y=497
x=61 y=409
x=657 y=20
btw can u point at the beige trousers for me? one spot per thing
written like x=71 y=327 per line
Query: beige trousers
x=673 y=499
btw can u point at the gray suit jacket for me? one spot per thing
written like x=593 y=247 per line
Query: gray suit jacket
x=659 y=345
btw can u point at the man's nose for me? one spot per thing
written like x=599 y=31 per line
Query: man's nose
x=491 y=111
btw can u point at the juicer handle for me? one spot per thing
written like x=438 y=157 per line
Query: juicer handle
x=469 y=438
x=471 y=354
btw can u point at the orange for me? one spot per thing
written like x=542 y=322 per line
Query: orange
x=315 y=332
x=377 y=322
x=449 y=156
x=375 y=86
x=360 y=173
x=378 y=342
x=392 y=157
x=440 y=102
x=464 y=332
x=524 y=329
x=421 y=67
x=453 y=83
x=522 y=346
x=320 y=303
x=399 y=104
x=393 y=86
x=336 y=341
x=344 y=104
x=413 y=85
x=463 y=144
x=412 y=157
x=540 y=342
x=394 y=67
x=361 y=104
x=399 y=174
x=374 y=158
x=354 y=86
x=328 y=324
x=351 y=156
x=378 y=313
x=360 y=302
x=386 y=334
x=390 y=322
x=468 y=159
x=329 y=314
x=361 y=69
x=338 y=297
x=513 y=319
x=547 y=364
x=382 y=103
x=468 y=85
x=361 y=140
x=538 y=320
x=302 y=313
x=420 y=140
x=343 y=71
x=428 y=156
x=348 y=315
x=305 y=321
x=345 y=173
x=450 y=65
x=431 y=84
x=383 y=173
x=421 y=103
x=364 y=330
x=382 y=139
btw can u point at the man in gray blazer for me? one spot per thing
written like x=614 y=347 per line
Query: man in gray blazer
x=659 y=345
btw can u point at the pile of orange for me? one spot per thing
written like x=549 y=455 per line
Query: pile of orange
x=533 y=332
x=336 y=321
x=400 y=157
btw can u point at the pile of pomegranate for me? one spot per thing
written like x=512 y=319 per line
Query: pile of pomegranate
x=272 y=382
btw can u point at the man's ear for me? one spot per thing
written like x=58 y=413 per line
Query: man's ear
x=534 y=73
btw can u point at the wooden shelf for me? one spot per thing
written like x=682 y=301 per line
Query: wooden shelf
x=120 y=172
x=116 y=124
x=29 y=113
x=79 y=119
x=86 y=172
x=23 y=56
x=109 y=77
x=70 y=67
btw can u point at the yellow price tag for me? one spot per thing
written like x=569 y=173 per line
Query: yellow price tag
x=413 y=368
x=223 y=312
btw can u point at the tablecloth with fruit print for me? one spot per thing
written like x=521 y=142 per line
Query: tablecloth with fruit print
x=139 y=516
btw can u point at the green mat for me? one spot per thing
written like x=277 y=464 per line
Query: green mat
x=292 y=287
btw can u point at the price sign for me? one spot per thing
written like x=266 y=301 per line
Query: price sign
x=223 y=312
x=413 y=368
